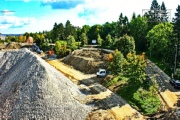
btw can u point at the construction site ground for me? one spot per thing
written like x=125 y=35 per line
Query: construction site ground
x=109 y=101
x=110 y=105
x=167 y=94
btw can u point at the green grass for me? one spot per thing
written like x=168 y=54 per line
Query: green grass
x=115 y=80
x=161 y=65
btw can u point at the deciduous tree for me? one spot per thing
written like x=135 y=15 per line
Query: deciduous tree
x=159 y=39
x=125 y=44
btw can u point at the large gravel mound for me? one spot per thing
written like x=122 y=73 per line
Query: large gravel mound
x=30 y=88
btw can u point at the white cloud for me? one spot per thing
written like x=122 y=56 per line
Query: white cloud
x=91 y=12
x=26 y=0
x=14 y=21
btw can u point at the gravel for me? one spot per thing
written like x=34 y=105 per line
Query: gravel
x=30 y=88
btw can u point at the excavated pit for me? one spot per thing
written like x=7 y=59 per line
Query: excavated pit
x=87 y=61
x=30 y=88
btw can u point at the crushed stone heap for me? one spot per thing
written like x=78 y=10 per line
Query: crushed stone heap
x=30 y=88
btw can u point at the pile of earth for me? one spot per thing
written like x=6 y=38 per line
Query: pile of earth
x=13 y=45
x=30 y=88
x=2 y=46
x=87 y=61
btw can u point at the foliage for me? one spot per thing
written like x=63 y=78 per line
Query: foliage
x=125 y=44
x=177 y=74
x=71 y=43
x=93 y=32
x=22 y=39
x=109 y=40
x=116 y=62
x=123 y=23
x=60 y=48
x=138 y=30
x=176 y=23
x=162 y=65
x=99 y=40
x=115 y=80
x=164 y=17
x=159 y=39
x=134 y=68
x=148 y=100
x=45 y=46
x=85 y=29
x=83 y=39
x=106 y=29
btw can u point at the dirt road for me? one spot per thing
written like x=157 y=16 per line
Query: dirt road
x=69 y=71
x=113 y=104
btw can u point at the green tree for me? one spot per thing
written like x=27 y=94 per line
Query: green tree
x=134 y=16
x=71 y=43
x=26 y=34
x=125 y=44
x=138 y=30
x=154 y=11
x=99 y=39
x=55 y=34
x=176 y=23
x=159 y=39
x=153 y=14
x=58 y=47
x=85 y=29
x=61 y=31
x=117 y=62
x=93 y=32
x=109 y=40
x=83 y=39
x=164 y=17
x=123 y=25
x=68 y=29
x=106 y=29
x=134 y=68
x=147 y=102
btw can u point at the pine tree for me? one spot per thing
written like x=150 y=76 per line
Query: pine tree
x=154 y=10
x=134 y=15
x=61 y=31
x=153 y=14
x=164 y=16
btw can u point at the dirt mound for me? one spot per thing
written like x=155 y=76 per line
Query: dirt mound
x=101 y=115
x=13 y=45
x=30 y=88
x=87 y=61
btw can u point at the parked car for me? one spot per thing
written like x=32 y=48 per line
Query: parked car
x=101 y=73
x=175 y=83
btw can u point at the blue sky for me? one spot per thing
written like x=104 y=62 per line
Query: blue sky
x=20 y=16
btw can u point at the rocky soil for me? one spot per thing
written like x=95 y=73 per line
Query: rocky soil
x=30 y=88
x=87 y=61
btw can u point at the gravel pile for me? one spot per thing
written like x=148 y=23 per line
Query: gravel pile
x=30 y=88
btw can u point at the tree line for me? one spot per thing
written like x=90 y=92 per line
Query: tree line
x=152 y=32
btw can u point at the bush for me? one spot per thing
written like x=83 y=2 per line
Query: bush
x=45 y=47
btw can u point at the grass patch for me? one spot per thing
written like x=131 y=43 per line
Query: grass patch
x=115 y=80
x=127 y=91
x=161 y=65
